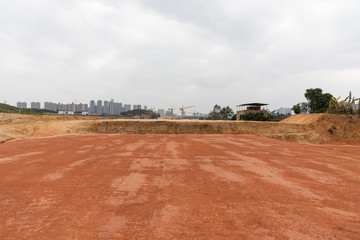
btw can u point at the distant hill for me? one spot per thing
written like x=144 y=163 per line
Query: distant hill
x=4 y=108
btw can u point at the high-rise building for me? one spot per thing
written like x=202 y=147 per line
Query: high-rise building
x=127 y=107
x=161 y=112
x=145 y=107
x=106 y=107
x=21 y=104
x=118 y=108
x=136 y=106
x=112 y=107
x=92 y=106
x=284 y=111
x=71 y=107
x=51 y=106
x=35 y=105
x=61 y=107
x=99 y=107
x=79 y=107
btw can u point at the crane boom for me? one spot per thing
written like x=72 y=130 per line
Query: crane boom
x=182 y=110
x=151 y=112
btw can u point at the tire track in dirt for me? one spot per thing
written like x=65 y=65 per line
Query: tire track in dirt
x=178 y=187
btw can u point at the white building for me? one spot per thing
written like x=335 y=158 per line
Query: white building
x=136 y=106
x=284 y=111
x=161 y=112
x=112 y=107
x=35 y=105
x=118 y=108
x=127 y=107
x=21 y=105
x=50 y=106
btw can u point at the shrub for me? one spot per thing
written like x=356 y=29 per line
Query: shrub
x=259 y=116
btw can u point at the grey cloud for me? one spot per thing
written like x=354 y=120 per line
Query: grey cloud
x=164 y=53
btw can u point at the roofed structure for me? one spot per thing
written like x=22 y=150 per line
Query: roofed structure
x=250 y=107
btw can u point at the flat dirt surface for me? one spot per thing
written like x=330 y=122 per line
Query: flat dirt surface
x=131 y=186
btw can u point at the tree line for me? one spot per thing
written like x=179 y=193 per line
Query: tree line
x=319 y=102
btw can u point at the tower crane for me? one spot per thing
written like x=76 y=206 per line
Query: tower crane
x=182 y=110
x=151 y=112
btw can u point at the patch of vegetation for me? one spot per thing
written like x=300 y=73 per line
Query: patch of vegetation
x=346 y=106
x=318 y=102
x=5 y=108
x=331 y=130
x=219 y=113
x=136 y=112
x=300 y=108
x=258 y=116
x=274 y=116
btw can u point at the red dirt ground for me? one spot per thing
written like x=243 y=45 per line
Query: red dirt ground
x=121 y=186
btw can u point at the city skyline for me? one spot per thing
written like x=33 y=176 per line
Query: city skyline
x=117 y=108
x=107 y=107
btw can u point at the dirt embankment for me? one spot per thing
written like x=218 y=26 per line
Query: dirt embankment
x=328 y=127
x=310 y=128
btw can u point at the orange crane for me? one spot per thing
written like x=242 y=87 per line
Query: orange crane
x=151 y=112
x=182 y=110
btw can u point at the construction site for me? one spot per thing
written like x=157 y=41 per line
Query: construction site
x=74 y=177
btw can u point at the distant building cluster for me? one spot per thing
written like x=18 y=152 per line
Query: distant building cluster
x=21 y=105
x=65 y=107
x=35 y=105
x=161 y=112
x=284 y=111
x=101 y=107
x=98 y=107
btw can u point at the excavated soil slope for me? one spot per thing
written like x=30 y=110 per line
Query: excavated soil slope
x=185 y=186
x=310 y=128
x=329 y=127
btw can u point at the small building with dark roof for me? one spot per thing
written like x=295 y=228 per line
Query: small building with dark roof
x=250 y=107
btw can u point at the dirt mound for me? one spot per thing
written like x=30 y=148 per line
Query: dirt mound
x=306 y=128
x=302 y=118
x=329 y=127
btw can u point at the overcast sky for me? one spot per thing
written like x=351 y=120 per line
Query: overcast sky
x=164 y=53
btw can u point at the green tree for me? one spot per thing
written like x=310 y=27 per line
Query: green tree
x=318 y=102
x=215 y=113
x=300 y=108
x=226 y=113
x=219 y=113
x=304 y=107
x=296 y=108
